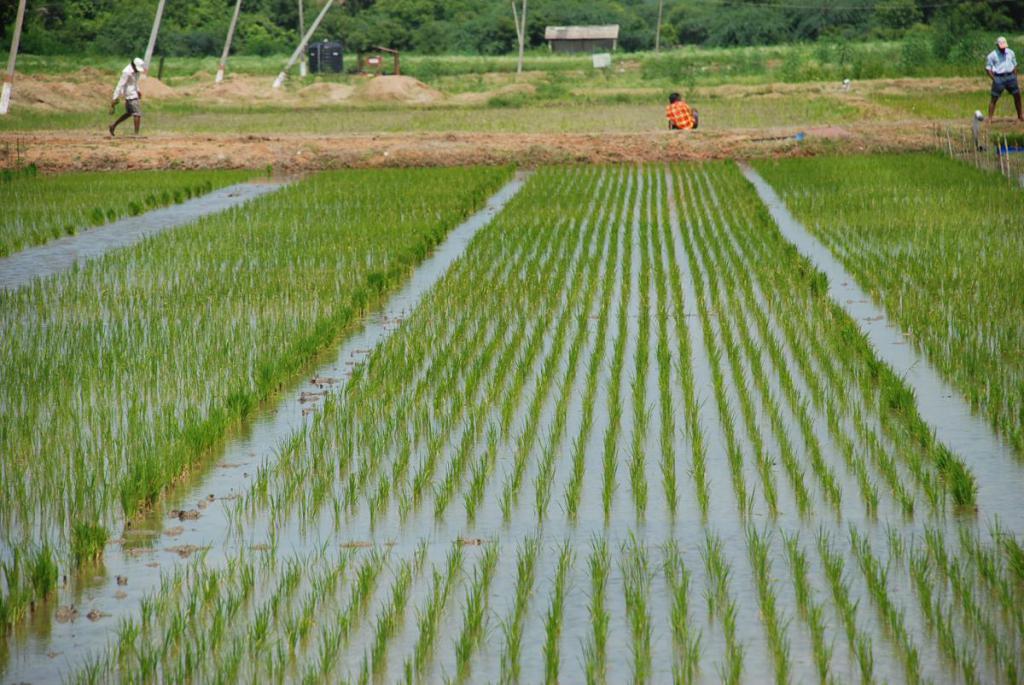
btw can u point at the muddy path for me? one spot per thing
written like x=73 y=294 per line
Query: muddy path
x=54 y=151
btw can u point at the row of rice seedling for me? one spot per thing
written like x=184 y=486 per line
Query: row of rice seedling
x=939 y=244
x=481 y=398
x=118 y=376
x=39 y=208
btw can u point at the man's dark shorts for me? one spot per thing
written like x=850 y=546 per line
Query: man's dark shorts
x=1007 y=82
x=133 y=107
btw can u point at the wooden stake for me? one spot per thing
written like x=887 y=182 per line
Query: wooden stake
x=5 y=94
x=302 y=44
x=227 y=43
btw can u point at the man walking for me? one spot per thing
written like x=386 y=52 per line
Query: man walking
x=679 y=114
x=128 y=86
x=1001 y=66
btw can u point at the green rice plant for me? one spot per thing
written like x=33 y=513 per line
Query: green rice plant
x=512 y=626
x=388 y=621
x=596 y=648
x=636 y=574
x=39 y=208
x=473 y=611
x=876 y=577
x=553 y=621
x=685 y=639
x=810 y=611
x=775 y=625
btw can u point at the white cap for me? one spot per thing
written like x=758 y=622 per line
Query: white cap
x=139 y=64
x=1001 y=41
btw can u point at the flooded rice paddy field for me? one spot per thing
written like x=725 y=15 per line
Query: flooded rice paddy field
x=629 y=435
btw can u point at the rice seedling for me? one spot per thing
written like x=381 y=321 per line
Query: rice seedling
x=596 y=649
x=555 y=612
x=636 y=573
x=685 y=639
x=38 y=208
x=473 y=611
x=512 y=626
x=810 y=611
x=776 y=626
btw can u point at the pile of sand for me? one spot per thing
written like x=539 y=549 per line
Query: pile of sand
x=398 y=89
x=80 y=91
x=154 y=88
x=233 y=89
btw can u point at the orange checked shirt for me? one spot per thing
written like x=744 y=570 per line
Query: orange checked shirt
x=679 y=115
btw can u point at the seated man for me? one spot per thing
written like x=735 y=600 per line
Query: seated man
x=680 y=116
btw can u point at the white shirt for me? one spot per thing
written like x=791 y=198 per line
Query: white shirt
x=128 y=85
x=1001 y=62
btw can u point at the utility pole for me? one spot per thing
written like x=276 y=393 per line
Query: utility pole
x=302 y=43
x=152 y=34
x=520 y=22
x=5 y=95
x=227 y=43
x=657 y=30
x=302 y=29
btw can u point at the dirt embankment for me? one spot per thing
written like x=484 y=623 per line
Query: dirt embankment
x=82 y=90
x=61 y=151
x=90 y=88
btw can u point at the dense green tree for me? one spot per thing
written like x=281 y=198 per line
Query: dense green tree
x=485 y=26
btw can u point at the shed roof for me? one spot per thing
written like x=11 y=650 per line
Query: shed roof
x=609 y=32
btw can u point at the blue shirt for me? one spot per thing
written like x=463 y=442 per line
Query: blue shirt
x=1001 y=62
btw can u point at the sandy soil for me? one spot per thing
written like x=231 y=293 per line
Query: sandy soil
x=77 y=150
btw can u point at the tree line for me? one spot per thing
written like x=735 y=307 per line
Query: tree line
x=198 y=27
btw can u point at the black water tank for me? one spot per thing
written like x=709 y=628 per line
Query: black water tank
x=325 y=57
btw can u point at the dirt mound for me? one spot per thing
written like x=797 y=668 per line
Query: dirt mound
x=327 y=92
x=398 y=89
x=235 y=88
x=154 y=88
x=62 y=96
x=485 y=96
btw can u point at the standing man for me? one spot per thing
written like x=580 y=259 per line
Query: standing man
x=680 y=116
x=1001 y=66
x=128 y=86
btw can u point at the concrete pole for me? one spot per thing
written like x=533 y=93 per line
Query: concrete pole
x=657 y=30
x=522 y=38
x=152 y=34
x=302 y=29
x=227 y=43
x=302 y=44
x=5 y=95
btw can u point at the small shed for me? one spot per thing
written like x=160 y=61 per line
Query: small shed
x=582 y=38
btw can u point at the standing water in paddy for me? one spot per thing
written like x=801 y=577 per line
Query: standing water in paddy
x=239 y=460
x=532 y=481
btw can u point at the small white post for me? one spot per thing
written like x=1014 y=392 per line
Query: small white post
x=5 y=95
x=152 y=34
x=302 y=44
x=302 y=29
x=227 y=43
